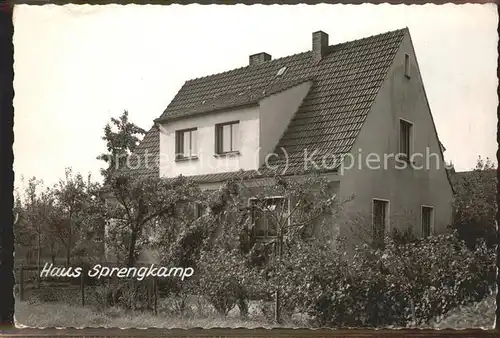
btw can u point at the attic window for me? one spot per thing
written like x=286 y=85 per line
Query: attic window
x=281 y=71
x=407 y=65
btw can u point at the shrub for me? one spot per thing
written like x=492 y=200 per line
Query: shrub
x=268 y=309
x=474 y=205
x=226 y=281
x=122 y=293
x=405 y=236
x=44 y=295
x=177 y=305
x=404 y=284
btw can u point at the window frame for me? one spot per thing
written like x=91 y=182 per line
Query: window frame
x=179 y=144
x=407 y=66
x=266 y=237
x=410 y=124
x=200 y=210
x=387 y=218
x=431 y=219
x=219 y=138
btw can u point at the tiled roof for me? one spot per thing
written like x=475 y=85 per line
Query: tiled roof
x=145 y=161
x=232 y=99
x=345 y=84
x=332 y=114
x=225 y=176
x=241 y=174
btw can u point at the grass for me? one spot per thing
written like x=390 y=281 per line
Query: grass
x=478 y=315
x=63 y=315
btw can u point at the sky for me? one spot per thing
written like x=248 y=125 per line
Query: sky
x=93 y=62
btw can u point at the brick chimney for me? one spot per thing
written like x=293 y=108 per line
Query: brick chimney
x=319 y=45
x=259 y=58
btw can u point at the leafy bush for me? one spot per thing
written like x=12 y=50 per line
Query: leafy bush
x=405 y=236
x=177 y=305
x=404 y=284
x=408 y=282
x=226 y=280
x=122 y=293
x=474 y=205
x=220 y=285
x=44 y=295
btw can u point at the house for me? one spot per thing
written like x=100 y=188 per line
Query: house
x=335 y=109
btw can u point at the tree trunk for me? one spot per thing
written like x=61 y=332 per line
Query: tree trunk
x=277 y=314
x=131 y=248
x=68 y=256
x=53 y=253
x=68 y=252
x=38 y=263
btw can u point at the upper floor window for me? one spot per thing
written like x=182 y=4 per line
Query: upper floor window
x=427 y=220
x=226 y=137
x=186 y=143
x=380 y=221
x=407 y=65
x=405 y=138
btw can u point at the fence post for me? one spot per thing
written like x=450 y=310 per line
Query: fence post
x=82 y=287
x=21 y=283
x=105 y=283
x=149 y=294
x=155 y=297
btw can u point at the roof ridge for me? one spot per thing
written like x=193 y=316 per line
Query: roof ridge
x=292 y=55
x=372 y=36
x=247 y=66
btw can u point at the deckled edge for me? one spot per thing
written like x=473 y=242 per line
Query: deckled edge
x=6 y=172
x=6 y=141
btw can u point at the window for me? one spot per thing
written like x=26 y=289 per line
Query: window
x=405 y=138
x=266 y=214
x=199 y=210
x=186 y=144
x=190 y=210
x=380 y=221
x=281 y=71
x=226 y=137
x=407 y=65
x=427 y=220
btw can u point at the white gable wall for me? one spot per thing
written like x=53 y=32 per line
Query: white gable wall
x=406 y=189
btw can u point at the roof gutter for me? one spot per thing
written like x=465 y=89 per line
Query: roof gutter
x=206 y=111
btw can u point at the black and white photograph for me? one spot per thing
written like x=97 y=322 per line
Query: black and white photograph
x=264 y=166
